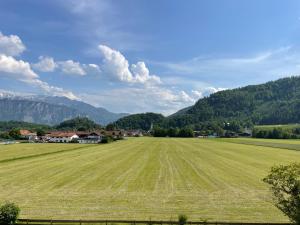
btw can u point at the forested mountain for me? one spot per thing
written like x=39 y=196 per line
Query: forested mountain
x=51 y=110
x=275 y=102
x=139 y=121
x=78 y=124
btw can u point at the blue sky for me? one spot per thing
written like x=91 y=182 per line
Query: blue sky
x=139 y=55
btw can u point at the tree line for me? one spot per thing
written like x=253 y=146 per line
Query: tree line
x=277 y=133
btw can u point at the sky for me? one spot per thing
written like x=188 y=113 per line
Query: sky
x=138 y=56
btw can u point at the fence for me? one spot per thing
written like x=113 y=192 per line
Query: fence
x=131 y=222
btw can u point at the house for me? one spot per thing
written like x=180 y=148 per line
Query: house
x=246 y=133
x=62 y=137
x=114 y=133
x=28 y=135
x=134 y=133
x=90 y=137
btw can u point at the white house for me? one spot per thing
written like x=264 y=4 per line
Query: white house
x=90 y=138
x=30 y=136
x=62 y=137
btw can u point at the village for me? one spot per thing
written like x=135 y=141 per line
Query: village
x=81 y=137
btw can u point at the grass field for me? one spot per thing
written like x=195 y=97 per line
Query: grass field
x=143 y=178
x=283 y=126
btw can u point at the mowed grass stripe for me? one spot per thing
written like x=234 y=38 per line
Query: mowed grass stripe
x=146 y=177
x=273 y=143
x=43 y=154
x=210 y=160
x=23 y=150
x=65 y=166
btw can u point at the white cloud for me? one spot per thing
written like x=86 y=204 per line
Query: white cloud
x=11 y=45
x=205 y=91
x=140 y=99
x=116 y=66
x=17 y=68
x=184 y=97
x=45 y=64
x=91 y=69
x=21 y=70
x=141 y=74
x=71 y=67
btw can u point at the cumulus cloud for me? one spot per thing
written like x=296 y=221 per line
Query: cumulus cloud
x=16 y=68
x=141 y=74
x=11 y=45
x=71 y=67
x=116 y=66
x=91 y=69
x=21 y=70
x=137 y=99
x=205 y=91
x=45 y=64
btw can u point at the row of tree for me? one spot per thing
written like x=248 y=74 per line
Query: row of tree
x=277 y=133
x=173 y=132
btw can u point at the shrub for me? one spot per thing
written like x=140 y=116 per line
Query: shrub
x=9 y=213
x=182 y=219
x=106 y=140
x=285 y=185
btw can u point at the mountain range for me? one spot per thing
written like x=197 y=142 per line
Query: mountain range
x=275 y=102
x=50 y=110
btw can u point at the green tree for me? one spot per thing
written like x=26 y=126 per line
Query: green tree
x=9 y=213
x=15 y=133
x=173 y=132
x=186 y=132
x=285 y=186
x=5 y=135
x=159 y=132
x=40 y=132
x=110 y=127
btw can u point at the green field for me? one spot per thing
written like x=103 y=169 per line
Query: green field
x=143 y=178
x=283 y=126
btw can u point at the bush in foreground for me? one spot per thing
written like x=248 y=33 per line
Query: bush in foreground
x=9 y=213
x=285 y=185
x=182 y=219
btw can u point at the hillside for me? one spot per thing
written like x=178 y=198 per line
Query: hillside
x=275 y=102
x=139 y=121
x=51 y=110
x=80 y=124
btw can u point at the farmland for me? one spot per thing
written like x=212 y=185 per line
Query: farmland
x=144 y=178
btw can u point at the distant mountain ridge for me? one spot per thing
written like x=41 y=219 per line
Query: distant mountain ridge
x=50 y=110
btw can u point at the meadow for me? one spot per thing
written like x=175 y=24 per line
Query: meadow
x=143 y=178
x=281 y=126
